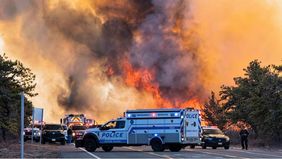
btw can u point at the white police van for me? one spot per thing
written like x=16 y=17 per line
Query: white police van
x=161 y=128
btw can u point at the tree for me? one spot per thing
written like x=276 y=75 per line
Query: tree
x=256 y=99
x=14 y=78
x=214 y=113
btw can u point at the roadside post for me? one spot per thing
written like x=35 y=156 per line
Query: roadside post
x=41 y=121
x=32 y=125
x=22 y=125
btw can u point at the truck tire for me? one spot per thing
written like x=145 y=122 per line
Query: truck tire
x=175 y=148
x=157 y=145
x=107 y=148
x=192 y=146
x=204 y=146
x=90 y=144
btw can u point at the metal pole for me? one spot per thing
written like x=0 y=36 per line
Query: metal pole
x=32 y=125
x=41 y=127
x=22 y=125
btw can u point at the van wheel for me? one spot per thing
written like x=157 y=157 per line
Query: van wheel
x=214 y=147
x=204 y=146
x=157 y=145
x=226 y=147
x=90 y=144
x=107 y=148
x=175 y=148
x=192 y=146
x=43 y=141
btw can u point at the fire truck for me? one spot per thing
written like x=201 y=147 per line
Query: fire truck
x=77 y=119
x=160 y=128
x=73 y=119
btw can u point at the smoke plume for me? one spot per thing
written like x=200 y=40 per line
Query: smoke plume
x=103 y=57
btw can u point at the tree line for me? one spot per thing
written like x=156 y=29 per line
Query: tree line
x=255 y=100
x=14 y=79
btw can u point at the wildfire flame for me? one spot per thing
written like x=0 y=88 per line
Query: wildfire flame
x=143 y=79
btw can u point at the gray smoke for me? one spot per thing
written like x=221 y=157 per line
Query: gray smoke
x=176 y=68
x=110 y=40
x=109 y=36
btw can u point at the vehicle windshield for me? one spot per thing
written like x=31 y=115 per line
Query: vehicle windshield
x=212 y=131
x=78 y=127
x=120 y=124
x=110 y=124
x=52 y=127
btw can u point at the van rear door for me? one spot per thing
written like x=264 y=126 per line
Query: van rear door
x=192 y=127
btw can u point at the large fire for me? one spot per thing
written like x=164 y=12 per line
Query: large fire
x=143 y=79
x=103 y=57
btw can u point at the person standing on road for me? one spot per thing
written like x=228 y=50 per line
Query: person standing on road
x=69 y=132
x=244 y=138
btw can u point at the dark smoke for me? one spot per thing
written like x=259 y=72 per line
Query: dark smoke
x=110 y=40
x=109 y=36
x=176 y=68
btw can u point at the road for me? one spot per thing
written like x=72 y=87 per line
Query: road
x=69 y=151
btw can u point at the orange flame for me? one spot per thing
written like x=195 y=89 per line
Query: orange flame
x=144 y=79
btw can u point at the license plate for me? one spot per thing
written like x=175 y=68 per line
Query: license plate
x=220 y=143
x=53 y=139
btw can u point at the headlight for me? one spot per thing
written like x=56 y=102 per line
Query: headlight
x=227 y=139
x=209 y=138
x=23 y=133
x=73 y=134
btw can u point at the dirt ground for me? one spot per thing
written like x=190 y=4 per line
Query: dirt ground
x=12 y=150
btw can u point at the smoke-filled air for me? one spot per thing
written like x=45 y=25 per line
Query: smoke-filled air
x=102 y=57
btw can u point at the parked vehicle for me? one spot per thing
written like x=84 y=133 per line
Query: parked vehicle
x=214 y=137
x=28 y=134
x=77 y=131
x=161 y=128
x=53 y=133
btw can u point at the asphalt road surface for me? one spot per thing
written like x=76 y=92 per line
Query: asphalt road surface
x=69 y=151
